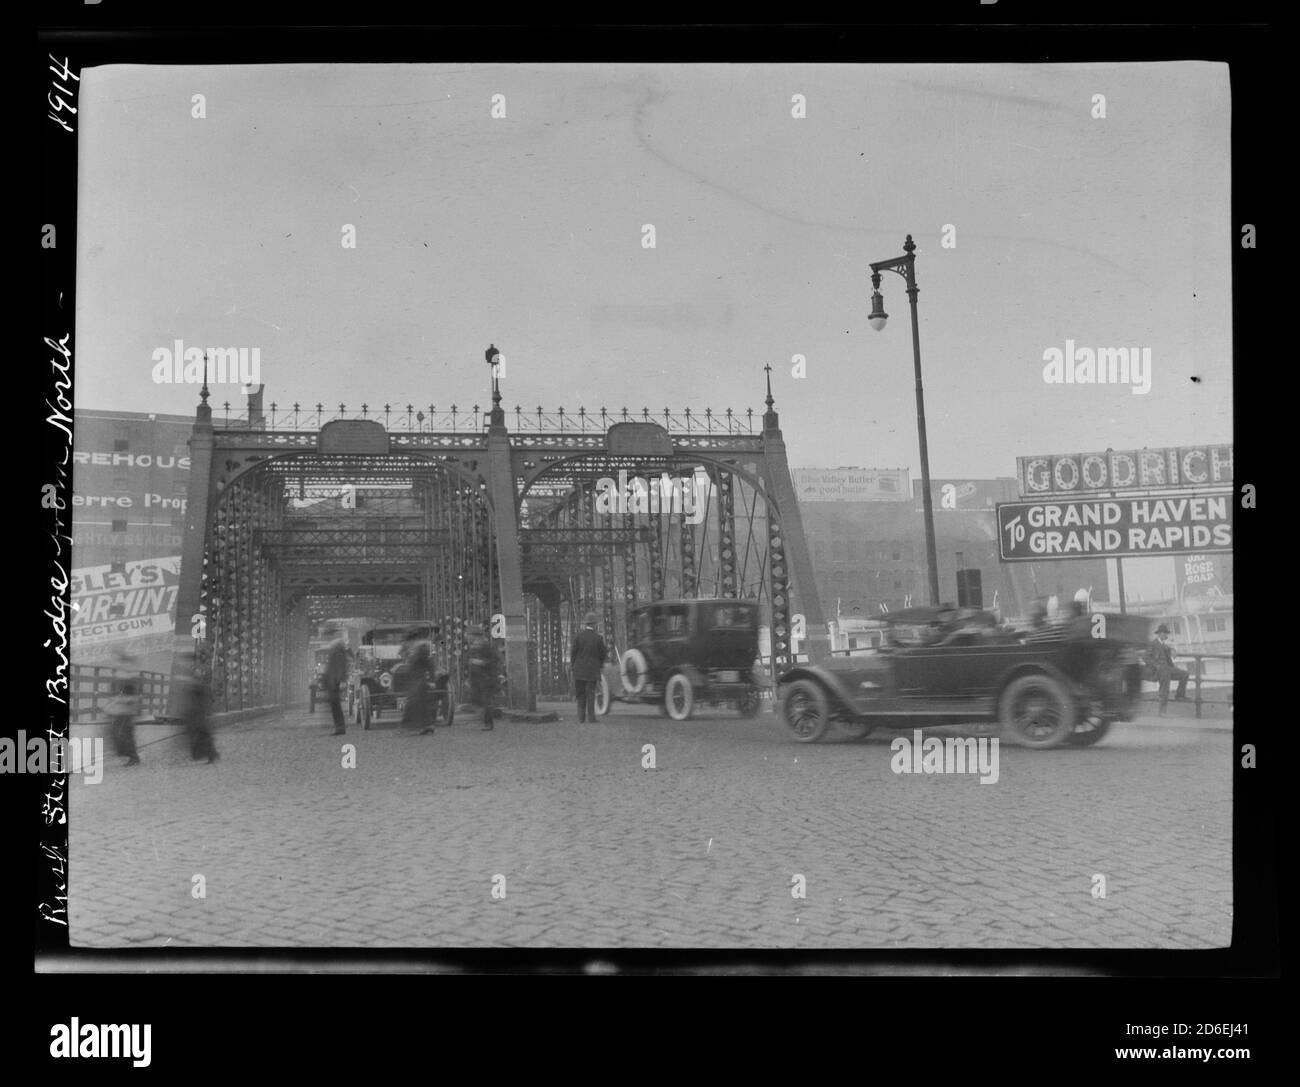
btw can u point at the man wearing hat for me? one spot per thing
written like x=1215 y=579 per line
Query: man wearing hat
x=336 y=675
x=1162 y=660
x=585 y=660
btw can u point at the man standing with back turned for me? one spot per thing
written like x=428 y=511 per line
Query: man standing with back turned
x=336 y=674
x=585 y=659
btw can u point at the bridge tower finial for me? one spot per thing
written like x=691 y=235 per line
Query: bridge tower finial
x=771 y=421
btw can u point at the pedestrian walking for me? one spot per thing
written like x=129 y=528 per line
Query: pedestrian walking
x=417 y=714
x=1162 y=661
x=196 y=704
x=585 y=661
x=123 y=708
x=336 y=674
x=484 y=673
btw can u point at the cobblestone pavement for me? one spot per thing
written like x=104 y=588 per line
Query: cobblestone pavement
x=294 y=850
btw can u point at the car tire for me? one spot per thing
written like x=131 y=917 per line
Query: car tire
x=1088 y=732
x=603 y=701
x=806 y=710
x=363 y=707
x=634 y=671
x=859 y=728
x=679 y=696
x=1037 y=711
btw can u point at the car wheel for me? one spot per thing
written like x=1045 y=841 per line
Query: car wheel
x=602 y=697
x=805 y=710
x=679 y=696
x=1037 y=711
x=363 y=707
x=859 y=728
x=748 y=705
x=1089 y=731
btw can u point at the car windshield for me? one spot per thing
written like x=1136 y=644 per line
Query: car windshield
x=396 y=635
x=733 y=617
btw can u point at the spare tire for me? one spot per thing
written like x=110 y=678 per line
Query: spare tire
x=634 y=671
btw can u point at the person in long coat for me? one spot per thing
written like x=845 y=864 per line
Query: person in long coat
x=124 y=707
x=196 y=704
x=417 y=715
x=484 y=674
x=585 y=661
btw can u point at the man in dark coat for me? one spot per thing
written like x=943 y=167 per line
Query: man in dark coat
x=336 y=674
x=484 y=673
x=585 y=660
x=124 y=707
x=195 y=709
x=1162 y=660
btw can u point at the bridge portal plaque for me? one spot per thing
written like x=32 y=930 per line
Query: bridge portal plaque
x=353 y=436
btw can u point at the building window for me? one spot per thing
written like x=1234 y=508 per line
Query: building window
x=895 y=554
x=118 y=526
x=1215 y=623
x=837 y=549
x=121 y=445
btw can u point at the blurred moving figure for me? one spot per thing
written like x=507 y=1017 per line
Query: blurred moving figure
x=123 y=707
x=484 y=673
x=417 y=717
x=196 y=705
x=336 y=674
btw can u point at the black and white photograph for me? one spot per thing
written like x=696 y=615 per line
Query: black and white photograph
x=691 y=506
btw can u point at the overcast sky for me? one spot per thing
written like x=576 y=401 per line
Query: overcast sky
x=526 y=232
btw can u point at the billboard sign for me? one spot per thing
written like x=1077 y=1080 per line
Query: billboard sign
x=1114 y=528
x=1184 y=466
x=851 y=484
x=136 y=600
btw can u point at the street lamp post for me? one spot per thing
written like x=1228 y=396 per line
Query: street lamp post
x=905 y=266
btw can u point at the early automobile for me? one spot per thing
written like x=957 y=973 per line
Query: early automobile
x=688 y=652
x=1064 y=683
x=379 y=678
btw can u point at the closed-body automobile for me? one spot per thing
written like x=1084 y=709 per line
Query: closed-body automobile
x=1060 y=683
x=688 y=652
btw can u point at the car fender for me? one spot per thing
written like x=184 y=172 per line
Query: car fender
x=840 y=695
x=697 y=679
x=1034 y=668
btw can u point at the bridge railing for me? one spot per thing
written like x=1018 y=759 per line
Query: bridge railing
x=1209 y=674
x=91 y=686
x=455 y=419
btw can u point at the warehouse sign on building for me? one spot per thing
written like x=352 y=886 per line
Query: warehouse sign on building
x=1114 y=528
